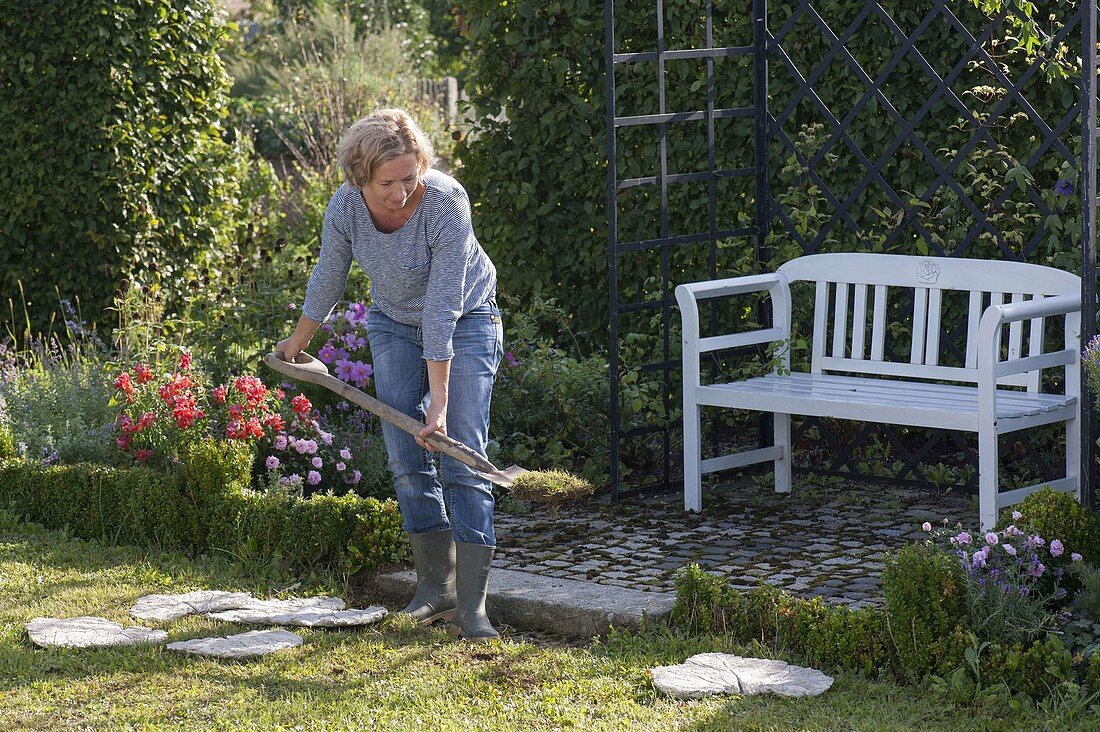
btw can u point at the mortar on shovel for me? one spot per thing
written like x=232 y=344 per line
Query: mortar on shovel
x=306 y=368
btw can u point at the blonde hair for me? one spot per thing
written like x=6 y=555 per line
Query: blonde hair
x=379 y=138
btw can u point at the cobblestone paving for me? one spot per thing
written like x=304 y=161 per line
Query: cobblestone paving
x=824 y=539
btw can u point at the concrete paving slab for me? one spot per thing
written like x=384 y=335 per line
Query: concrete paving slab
x=572 y=608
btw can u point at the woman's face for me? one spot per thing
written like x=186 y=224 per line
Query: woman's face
x=394 y=182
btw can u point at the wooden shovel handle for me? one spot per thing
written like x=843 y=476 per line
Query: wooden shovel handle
x=445 y=444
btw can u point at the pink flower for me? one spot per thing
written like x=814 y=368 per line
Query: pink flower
x=356 y=476
x=1056 y=548
x=1036 y=570
x=991 y=538
x=341 y=467
x=1009 y=550
x=1016 y=515
x=510 y=359
x=280 y=442
x=963 y=538
x=272 y=462
x=1075 y=557
x=313 y=478
x=346 y=454
x=316 y=462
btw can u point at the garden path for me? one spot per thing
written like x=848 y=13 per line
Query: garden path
x=825 y=539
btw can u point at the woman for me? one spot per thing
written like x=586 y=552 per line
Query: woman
x=435 y=336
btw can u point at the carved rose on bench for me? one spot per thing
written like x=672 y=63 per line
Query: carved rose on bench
x=928 y=272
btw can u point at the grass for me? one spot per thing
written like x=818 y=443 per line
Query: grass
x=394 y=676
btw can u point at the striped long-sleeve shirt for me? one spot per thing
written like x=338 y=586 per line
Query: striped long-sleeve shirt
x=428 y=273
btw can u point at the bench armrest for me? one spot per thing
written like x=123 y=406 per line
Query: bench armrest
x=689 y=295
x=991 y=367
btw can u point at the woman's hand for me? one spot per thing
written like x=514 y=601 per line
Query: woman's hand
x=298 y=340
x=435 y=421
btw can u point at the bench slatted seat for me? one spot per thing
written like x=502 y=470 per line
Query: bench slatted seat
x=997 y=389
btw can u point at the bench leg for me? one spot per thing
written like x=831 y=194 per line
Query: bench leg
x=782 y=430
x=693 y=458
x=1073 y=454
x=988 y=482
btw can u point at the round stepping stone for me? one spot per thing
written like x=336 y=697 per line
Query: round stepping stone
x=722 y=673
x=88 y=632
x=308 y=617
x=244 y=645
x=171 y=607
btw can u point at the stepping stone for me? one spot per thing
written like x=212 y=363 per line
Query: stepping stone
x=722 y=673
x=89 y=632
x=290 y=606
x=308 y=617
x=244 y=645
x=170 y=607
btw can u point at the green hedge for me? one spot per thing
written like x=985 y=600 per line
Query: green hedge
x=867 y=640
x=205 y=506
x=111 y=153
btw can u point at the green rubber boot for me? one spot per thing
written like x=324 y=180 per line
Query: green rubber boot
x=434 y=557
x=472 y=563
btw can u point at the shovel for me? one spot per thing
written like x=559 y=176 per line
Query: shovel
x=306 y=368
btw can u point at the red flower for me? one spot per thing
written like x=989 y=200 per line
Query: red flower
x=185 y=361
x=123 y=384
x=143 y=455
x=275 y=422
x=144 y=373
x=301 y=406
x=124 y=441
x=219 y=394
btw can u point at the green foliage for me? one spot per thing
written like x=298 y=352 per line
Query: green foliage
x=112 y=156
x=1057 y=515
x=925 y=596
x=823 y=634
x=1035 y=669
x=7 y=442
x=301 y=82
x=60 y=412
x=204 y=506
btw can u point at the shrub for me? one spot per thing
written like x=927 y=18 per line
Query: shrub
x=204 y=507
x=1015 y=580
x=1057 y=515
x=111 y=151
x=823 y=634
x=1036 y=669
x=925 y=591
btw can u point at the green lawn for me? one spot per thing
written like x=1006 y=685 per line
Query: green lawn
x=394 y=676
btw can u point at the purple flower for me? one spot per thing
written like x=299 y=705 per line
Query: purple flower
x=291 y=306
x=354 y=342
x=356 y=476
x=356 y=314
x=360 y=372
x=327 y=354
x=344 y=369
x=1064 y=187
x=1075 y=557
x=1056 y=548
x=316 y=462
x=991 y=538
x=327 y=327
x=1016 y=515
x=280 y=442
x=1012 y=530
x=510 y=358
x=1037 y=540
x=326 y=437
x=963 y=538
x=343 y=406
x=1009 y=550
x=313 y=478
x=926 y=526
x=1036 y=569
x=272 y=462
x=341 y=467
x=346 y=454
x=978 y=560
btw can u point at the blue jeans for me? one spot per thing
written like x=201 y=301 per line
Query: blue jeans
x=463 y=501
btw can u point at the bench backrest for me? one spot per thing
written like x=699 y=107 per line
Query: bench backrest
x=852 y=286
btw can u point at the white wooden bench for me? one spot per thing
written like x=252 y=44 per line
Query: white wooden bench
x=997 y=390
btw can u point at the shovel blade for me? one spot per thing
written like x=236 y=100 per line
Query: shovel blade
x=504 y=477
